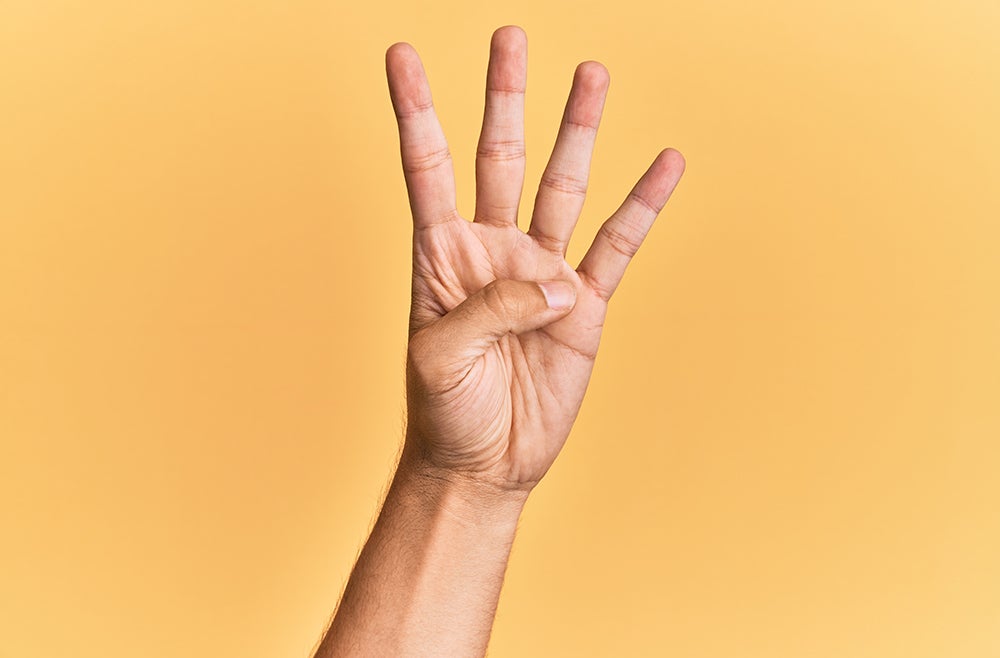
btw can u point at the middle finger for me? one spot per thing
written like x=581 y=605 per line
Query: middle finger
x=564 y=184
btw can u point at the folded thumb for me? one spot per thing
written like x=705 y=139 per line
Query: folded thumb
x=501 y=307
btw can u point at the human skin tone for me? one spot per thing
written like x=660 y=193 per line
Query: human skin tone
x=502 y=339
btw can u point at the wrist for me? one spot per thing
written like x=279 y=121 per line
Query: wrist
x=470 y=496
x=429 y=577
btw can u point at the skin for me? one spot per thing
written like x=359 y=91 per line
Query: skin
x=502 y=340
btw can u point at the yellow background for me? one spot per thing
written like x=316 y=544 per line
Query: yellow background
x=791 y=443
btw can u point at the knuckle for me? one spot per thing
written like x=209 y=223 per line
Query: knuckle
x=620 y=239
x=565 y=183
x=507 y=299
x=418 y=353
x=548 y=242
x=427 y=360
x=602 y=291
x=496 y=298
x=430 y=371
x=414 y=111
x=501 y=150
x=427 y=160
x=645 y=203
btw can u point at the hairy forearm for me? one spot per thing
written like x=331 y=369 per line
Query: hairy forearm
x=429 y=577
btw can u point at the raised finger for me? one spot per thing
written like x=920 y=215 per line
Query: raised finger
x=619 y=238
x=427 y=166
x=500 y=156
x=563 y=187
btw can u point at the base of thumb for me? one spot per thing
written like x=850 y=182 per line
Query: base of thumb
x=501 y=307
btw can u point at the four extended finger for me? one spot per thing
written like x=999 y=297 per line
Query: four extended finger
x=427 y=166
x=618 y=239
x=564 y=183
x=500 y=155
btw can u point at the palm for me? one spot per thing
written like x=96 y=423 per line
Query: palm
x=511 y=409
x=527 y=389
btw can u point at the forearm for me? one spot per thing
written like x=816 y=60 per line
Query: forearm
x=429 y=577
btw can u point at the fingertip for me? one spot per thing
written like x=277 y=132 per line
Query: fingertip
x=398 y=50
x=674 y=155
x=593 y=74
x=402 y=56
x=407 y=80
x=508 y=59
x=509 y=35
x=671 y=160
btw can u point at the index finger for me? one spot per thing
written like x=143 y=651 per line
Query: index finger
x=620 y=236
x=427 y=165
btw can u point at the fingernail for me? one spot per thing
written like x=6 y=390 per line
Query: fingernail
x=558 y=294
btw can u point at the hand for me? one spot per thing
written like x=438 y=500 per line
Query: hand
x=503 y=331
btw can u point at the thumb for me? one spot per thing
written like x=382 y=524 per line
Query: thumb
x=501 y=307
